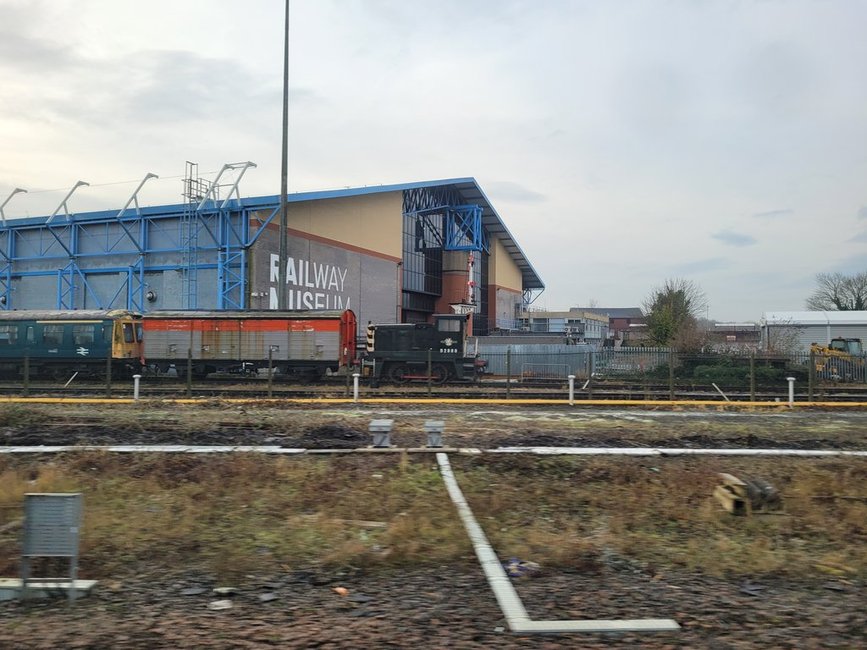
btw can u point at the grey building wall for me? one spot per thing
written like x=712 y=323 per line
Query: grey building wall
x=805 y=335
x=324 y=276
x=508 y=308
x=802 y=328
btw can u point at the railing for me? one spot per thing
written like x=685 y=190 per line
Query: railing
x=663 y=365
x=629 y=373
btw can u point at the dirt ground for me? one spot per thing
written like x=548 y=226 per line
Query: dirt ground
x=347 y=427
x=450 y=605
x=442 y=607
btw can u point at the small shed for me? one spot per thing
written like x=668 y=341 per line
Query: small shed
x=800 y=329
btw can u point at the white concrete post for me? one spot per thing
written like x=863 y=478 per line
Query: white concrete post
x=355 y=376
x=135 y=386
x=571 y=390
x=791 y=381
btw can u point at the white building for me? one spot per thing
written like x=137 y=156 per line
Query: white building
x=808 y=327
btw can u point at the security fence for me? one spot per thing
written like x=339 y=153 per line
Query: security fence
x=539 y=362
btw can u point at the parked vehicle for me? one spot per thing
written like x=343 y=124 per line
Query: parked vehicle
x=403 y=352
x=303 y=344
x=300 y=343
x=841 y=360
x=58 y=343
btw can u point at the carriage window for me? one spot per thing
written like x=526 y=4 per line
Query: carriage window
x=8 y=334
x=82 y=334
x=449 y=325
x=139 y=332
x=106 y=332
x=30 y=335
x=52 y=334
x=127 y=333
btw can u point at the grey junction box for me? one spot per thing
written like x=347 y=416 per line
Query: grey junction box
x=52 y=523
x=381 y=430
x=434 y=430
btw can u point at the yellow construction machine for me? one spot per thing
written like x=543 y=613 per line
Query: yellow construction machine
x=841 y=360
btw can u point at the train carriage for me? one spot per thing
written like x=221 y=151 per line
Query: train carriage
x=57 y=343
x=312 y=343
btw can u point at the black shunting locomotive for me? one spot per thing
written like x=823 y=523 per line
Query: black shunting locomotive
x=404 y=352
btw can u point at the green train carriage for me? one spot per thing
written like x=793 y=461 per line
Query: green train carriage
x=60 y=342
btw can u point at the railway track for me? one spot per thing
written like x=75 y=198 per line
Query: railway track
x=233 y=388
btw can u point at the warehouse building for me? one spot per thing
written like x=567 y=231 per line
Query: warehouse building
x=796 y=331
x=392 y=253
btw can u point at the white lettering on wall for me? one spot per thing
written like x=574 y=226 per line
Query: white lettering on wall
x=328 y=281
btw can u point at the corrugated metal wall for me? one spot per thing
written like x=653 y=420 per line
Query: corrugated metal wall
x=805 y=335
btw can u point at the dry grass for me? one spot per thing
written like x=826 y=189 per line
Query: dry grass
x=235 y=514
x=241 y=513
x=660 y=512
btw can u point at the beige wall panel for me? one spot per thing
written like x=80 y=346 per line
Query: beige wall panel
x=504 y=272
x=373 y=222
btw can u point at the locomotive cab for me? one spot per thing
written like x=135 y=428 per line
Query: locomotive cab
x=127 y=336
x=402 y=352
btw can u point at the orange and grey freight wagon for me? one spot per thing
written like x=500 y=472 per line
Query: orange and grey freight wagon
x=297 y=342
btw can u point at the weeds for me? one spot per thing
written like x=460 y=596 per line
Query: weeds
x=18 y=415
x=662 y=514
x=235 y=514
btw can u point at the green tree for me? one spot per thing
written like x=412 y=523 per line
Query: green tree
x=838 y=292
x=672 y=313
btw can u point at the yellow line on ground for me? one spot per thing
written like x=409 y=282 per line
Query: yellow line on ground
x=409 y=400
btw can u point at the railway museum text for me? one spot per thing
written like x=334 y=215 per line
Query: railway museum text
x=317 y=286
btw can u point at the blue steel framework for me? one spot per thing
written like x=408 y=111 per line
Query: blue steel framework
x=436 y=219
x=222 y=231
x=462 y=224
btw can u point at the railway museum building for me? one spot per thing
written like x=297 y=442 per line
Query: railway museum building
x=393 y=253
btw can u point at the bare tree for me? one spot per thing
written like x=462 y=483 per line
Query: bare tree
x=783 y=338
x=672 y=313
x=838 y=292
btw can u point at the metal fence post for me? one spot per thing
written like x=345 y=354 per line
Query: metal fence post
x=26 y=376
x=189 y=372
x=508 y=370
x=571 y=390
x=811 y=376
x=671 y=374
x=590 y=374
x=645 y=385
x=791 y=381
x=271 y=372
x=355 y=376
x=752 y=376
x=108 y=375
x=136 y=379
x=429 y=371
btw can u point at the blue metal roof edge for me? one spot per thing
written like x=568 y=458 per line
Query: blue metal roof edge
x=248 y=202
x=529 y=275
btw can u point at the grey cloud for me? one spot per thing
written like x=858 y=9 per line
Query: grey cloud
x=701 y=266
x=148 y=88
x=510 y=191
x=184 y=86
x=303 y=96
x=734 y=238
x=778 y=79
x=848 y=265
x=773 y=214
x=862 y=212
x=25 y=54
x=860 y=238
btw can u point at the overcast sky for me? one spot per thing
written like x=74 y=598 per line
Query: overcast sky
x=623 y=143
